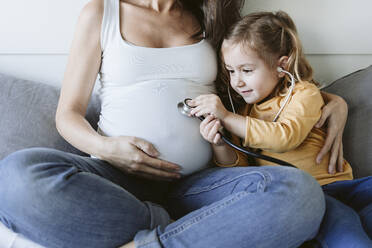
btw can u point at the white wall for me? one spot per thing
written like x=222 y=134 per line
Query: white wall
x=35 y=35
x=336 y=34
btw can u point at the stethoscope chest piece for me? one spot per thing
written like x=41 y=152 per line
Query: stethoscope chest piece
x=184 y=108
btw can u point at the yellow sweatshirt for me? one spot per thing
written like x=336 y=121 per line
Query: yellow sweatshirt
x=293 y=137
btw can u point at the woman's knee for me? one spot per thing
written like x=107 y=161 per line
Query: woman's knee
x=307 y=191
x=303 y=199
x=25 y=165
x=24 y=174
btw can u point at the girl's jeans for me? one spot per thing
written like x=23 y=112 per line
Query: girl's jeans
x=348 y=218
x=58 y=199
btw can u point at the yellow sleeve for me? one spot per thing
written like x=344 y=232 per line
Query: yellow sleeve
x=293 y=126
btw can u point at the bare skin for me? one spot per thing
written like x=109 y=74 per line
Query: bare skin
x=140 y=22
x=130 y=154
x=129 y=245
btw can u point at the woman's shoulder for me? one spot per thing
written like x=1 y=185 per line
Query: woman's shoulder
x=88 y=26
x=92 y=12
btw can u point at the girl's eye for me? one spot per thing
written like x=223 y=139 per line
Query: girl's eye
x=231 y=71
x=247 y=70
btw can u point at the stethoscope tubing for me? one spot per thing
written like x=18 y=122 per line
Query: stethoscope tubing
x=250 y=153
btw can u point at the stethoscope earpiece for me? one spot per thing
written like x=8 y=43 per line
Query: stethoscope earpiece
x=289 y=94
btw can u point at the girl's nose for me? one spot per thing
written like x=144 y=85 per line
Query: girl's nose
x=238 y=81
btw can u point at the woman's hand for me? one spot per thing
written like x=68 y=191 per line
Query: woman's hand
x=139 y=157
x=209 y=130
x=334 y=114
x=208 y=104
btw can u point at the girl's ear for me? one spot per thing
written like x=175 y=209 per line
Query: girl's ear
x=283 y=63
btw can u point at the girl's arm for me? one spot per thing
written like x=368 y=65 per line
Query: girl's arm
x=224 y=155
x=294 y=124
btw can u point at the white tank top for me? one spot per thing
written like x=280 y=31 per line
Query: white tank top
x=140 y=89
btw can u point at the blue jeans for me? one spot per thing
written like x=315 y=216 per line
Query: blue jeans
x=59 y=199
x=348 y=218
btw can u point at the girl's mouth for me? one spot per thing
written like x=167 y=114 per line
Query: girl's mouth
x=246 y=91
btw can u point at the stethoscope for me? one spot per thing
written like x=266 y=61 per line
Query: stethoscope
x=185 y=109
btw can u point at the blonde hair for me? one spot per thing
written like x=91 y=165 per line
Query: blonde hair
x=272 y=35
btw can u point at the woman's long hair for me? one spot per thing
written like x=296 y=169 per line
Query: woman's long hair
x=214 y=17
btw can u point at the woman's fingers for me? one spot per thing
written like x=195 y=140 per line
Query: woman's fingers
x=340 y=161
x=152 y=175
x=323 y=117
x=146 y=165
x=332 y=160
x=161 y=164
x=146 y=155
x=334 y=156
x=330 y=138
x=145 y=146
x=144 y=169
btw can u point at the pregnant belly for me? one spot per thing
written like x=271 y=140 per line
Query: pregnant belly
x=149 y=111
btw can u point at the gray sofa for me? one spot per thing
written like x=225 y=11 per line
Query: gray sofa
x=27 y=120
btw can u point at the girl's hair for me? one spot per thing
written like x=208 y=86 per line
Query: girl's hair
x=271 y=35
x=214 y=16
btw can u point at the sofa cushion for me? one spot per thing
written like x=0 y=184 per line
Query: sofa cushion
x=27 y=116
x=356 y=89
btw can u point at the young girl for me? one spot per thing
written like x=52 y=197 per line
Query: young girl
x=267 y=68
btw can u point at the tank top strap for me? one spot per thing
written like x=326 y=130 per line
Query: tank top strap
x=110 y=23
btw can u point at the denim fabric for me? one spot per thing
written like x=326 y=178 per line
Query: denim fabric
x=267 y=206
x=59 y=199
x=348 y=218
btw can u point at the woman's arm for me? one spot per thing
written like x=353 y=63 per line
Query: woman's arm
x=334 y=115
x=79 y=78
x=130 y=154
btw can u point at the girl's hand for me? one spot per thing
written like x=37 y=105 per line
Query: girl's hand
x=209 y=130
x=137 y=156
x=334 y=114
x=208 y=104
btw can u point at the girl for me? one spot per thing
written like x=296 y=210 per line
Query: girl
x=261 y=53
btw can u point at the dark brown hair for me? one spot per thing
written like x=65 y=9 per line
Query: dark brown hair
x=271 y=35
x=214 y=16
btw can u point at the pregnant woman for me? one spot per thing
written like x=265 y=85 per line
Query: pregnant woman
x=150 y=54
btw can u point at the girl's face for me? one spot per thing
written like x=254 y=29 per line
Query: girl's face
x=249 y=75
